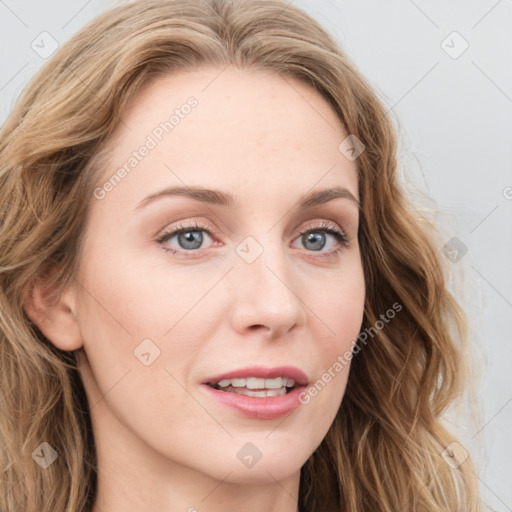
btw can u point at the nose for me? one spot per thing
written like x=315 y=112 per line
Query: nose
x=266 y=295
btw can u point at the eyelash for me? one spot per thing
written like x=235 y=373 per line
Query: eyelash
x=338 y=234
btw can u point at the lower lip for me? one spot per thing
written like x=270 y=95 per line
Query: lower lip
x=266 y=408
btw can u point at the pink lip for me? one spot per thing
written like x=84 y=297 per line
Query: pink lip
x=261 y=372
x=267 y=408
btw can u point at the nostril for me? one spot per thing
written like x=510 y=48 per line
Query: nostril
x=258 y=326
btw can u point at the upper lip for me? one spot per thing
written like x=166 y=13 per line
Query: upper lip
x=262 y=372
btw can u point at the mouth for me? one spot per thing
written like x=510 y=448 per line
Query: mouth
x=258 y=392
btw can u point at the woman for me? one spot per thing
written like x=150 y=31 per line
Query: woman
x=179 y=334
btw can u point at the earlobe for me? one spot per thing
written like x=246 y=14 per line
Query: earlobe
x=53 y=315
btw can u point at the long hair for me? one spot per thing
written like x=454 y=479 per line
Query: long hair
x=386 y=449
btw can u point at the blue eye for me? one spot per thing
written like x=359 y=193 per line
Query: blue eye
x=312 y=235
x=190 y=237
x=190 y=240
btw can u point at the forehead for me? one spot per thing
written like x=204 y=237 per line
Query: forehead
x=241 y=129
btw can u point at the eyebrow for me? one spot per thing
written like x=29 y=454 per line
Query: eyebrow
x=220 y=198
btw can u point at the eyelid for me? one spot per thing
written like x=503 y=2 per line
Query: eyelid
x=194 y=225
x=185 y=226
x=321 y=224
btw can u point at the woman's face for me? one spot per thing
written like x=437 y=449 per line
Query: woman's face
x=240 y=295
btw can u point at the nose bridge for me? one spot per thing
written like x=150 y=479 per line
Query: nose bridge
x=265 y=286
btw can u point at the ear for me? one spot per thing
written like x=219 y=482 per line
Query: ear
x=53 y=314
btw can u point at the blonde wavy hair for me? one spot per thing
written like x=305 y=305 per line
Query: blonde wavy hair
x=386 y=449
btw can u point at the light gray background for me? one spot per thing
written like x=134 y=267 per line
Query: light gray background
x=454 y=114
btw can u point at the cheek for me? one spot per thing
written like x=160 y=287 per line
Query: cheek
x=143 y=323
x=339 y=306
x=339 y=312
x=138 y=333
x=141 y=300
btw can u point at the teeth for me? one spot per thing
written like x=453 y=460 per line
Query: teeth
x=259 y=394
x=276 y=392
x=258 y=383
x=273 y=383
x=253 y=383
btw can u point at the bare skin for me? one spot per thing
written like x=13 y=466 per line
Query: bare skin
x=163 y=441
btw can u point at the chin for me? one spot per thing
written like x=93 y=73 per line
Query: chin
x=263 y=461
